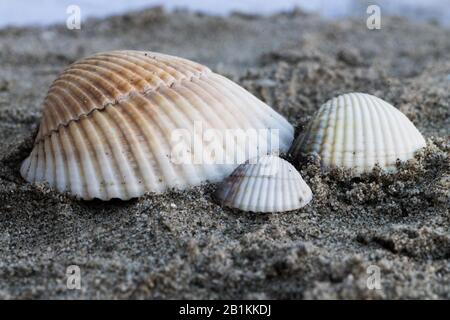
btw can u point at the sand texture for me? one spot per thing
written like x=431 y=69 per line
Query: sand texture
x=182 y=244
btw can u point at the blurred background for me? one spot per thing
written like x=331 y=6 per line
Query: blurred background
x=44 y=12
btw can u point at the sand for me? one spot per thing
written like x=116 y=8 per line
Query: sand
x=182 y=244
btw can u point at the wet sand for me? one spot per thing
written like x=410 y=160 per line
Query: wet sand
x=182 y=244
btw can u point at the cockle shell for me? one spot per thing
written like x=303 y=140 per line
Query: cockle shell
x=264 y=184
x=358 y=130
x=109 y=121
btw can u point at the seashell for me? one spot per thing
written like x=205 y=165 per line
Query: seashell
x=109 y=124
x=264 y=184
x=358 y=130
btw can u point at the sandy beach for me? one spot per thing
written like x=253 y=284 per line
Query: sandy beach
x=181 y=244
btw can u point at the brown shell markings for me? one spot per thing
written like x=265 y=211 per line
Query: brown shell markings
x=108 y=121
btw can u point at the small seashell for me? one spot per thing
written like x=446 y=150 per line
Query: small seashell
x=109 y=121
x=264 y=184
x=358 y=130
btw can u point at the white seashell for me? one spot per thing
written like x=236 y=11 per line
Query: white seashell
x=264 y=184
x=358 y=130
x=109 y=121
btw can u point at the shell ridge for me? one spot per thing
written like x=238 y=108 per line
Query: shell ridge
x=149 y=134
x=272 y=114
x=262 y=118
x=39 y=164
x=305 y=135
x=245 y=185
x=79 y=94
x=286 y=187
x=180 y=119
x=400 y=143
x=83 y=161
x=393 y=131
x=135 y=124
x=386 y=134
x=48 y=163
x=157 y=137
x=62 y=140
x=235 y=113
x=348 y=112
x=328 y=132
x=357 y=133
x=217 y=81
x=119 y=68
x=114 y=103
x=276 y=178
x=239 y=114
x=170 y=68
x=248 y=196
x=314 y=125
x=126 y=151
x=263 y=198
x=264 y=107
x=60 y=104
x=60 y=164
x=102 y=173
x=337 y=129
x=285 y=193
x=167 y=172
x=65 y=97
x=275 y=181
x=255 y=199
x=226 y=195
x=74 y=164
x=366 y=129
x=102 y=150
x=84 y=85
x=233 y=191
x=44 y=158
x=52 y=116
x=259 y=172
x=296 y=190
x=107 y=87
x=231 y=118
x=104 y=72
x=158 y=57
x=78 y=98
x=239 y=197
x=376 y=133
x=26 y=165
x=212 y=119
x=91 y=187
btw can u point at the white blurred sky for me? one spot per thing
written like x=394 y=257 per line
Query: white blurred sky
x=42 y=12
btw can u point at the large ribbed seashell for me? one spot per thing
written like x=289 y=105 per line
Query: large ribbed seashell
x=358 y=130
x=264 y=184
x=109 y=121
